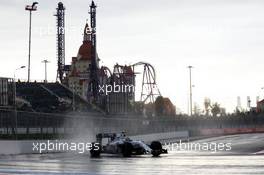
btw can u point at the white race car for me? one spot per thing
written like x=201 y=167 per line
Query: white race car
x=120 y=144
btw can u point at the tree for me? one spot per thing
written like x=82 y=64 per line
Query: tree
x=207 y=105
x=216 y=109
x=196 y=109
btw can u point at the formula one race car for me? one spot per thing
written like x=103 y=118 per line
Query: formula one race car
x=120 y=144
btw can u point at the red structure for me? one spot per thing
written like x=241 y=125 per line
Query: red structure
x=260 y=106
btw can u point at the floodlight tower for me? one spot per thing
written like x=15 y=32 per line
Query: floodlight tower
x=30 y=8
x=45 y=63
x=190 y=72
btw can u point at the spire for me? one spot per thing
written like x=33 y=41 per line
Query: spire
x=87 y=32
x=93 y=4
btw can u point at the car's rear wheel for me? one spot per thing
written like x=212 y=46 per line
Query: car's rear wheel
x=156 y=148
x=95 y=150
x=127 y=149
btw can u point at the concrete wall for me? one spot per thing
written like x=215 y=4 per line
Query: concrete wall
x=15 y=147
x=227 y=131
x=167 y=136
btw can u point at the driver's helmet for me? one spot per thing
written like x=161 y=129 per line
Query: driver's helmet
x=122 y=134
x=113 y=137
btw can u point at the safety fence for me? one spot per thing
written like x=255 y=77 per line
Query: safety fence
x=21 y=124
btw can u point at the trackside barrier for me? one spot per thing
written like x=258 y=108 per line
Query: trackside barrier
x=161 y=136
x=226 y=131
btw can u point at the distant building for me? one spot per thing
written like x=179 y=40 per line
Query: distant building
x=260 y=106
x=122 y=99
x=79 y=76
x=6 y=92
x=164 y=106
x=169 y=108
x=121 y=82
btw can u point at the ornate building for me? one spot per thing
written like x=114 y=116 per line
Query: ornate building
x=115 y=91
x=79 y=76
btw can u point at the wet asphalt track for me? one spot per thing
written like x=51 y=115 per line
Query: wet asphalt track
x=246 y=157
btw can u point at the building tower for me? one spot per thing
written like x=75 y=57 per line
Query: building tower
x=60 y=41
x=79 y=75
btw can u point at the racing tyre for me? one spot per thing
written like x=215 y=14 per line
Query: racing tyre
x=95 y=150
x=156 y=148
x=127 y=149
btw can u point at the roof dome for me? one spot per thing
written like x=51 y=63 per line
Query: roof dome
x=85 y=51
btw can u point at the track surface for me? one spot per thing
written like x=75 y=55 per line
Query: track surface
x=246 y=157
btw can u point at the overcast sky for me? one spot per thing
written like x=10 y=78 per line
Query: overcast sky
x=222 y=39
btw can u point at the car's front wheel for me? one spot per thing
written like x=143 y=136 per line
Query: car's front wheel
x=127 y=149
